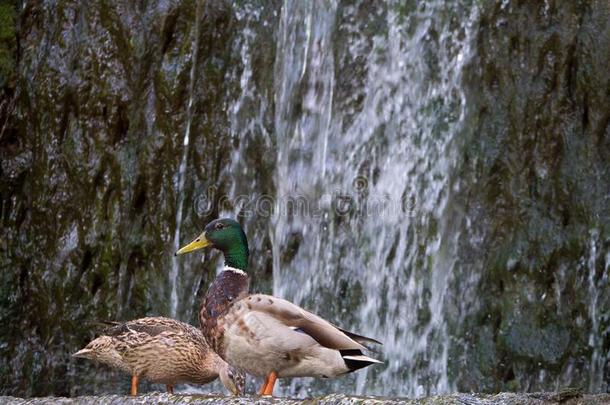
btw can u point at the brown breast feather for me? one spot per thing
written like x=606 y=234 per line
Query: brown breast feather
x=228 y=287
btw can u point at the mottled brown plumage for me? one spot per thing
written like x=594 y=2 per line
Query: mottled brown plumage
x=228 y=287
x=162 y=350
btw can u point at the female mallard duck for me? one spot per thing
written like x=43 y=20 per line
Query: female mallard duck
x=266 y=336
x=162 y=350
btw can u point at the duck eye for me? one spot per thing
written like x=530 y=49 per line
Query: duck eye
x=219 y=226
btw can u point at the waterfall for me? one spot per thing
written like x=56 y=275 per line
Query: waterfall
x=364 y=179
x=598 y=358
x=247 y=112
x=181 y=175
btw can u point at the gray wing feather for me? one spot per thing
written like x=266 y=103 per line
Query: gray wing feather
x=294 y=316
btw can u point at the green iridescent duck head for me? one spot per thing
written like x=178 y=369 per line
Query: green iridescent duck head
x=225 y=235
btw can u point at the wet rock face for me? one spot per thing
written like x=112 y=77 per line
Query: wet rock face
x=536 y=178
x=90 y=159
x=93 y=117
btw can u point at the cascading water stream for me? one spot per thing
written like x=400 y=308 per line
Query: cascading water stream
x=374 y=169
x=596 y=378
x=247 y=112
x=181 y=175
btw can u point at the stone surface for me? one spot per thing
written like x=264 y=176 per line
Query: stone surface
x=455 y=399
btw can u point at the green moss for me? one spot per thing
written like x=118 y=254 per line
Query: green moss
x=7 y=16
x=7 y=42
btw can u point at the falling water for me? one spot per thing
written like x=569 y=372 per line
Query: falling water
x=598 y=357
x=182 y=168
x=371 y=163
x=248 y=111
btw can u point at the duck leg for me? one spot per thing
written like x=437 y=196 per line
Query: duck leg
x=170 y=388
x=269 y=384
x=262 y=390
x=134 y=385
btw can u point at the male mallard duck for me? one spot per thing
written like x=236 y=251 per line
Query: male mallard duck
x=162 y=350
x=266 y=336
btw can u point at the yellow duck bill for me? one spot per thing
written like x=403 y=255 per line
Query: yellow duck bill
x=198 y=243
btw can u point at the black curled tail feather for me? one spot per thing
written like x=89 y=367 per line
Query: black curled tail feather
x=355 y=360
